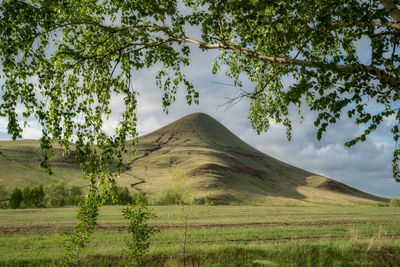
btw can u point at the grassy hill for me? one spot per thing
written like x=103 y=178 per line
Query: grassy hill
x=20 y=166
x=220 y=167
x=199 y=151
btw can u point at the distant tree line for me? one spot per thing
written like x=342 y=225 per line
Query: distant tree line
x=58 y=195
x=27 y=197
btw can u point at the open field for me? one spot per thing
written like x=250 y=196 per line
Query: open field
x=219 y=236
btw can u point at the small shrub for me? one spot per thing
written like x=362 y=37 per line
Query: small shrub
x=75 y=191
x=199 y=201
x=394 y=202
x=123 y=196
x=36 y=196
x=15 y=199
x=26 y=197
x=169 y=197
x=382 y=204
x=57 y=193
x=4 y=196
x=60 y=195
x=140 y=232
x=120 y=196
x=140 y=196
x=75 y=196
x=3 y=191
x=202 y=201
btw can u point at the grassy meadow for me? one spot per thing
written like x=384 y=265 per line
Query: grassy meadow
x=278 y=214
x=219 y=236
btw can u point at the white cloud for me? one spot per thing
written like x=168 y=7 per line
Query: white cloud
x=31 y=133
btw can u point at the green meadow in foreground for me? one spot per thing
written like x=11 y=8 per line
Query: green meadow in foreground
x=218 y=236
x=284 y=216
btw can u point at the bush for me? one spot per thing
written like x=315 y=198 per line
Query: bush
x=15 y=198
x=3 y=192
x=394 y=202
x=169 y=197
x=74 y=196
x=75 y=191
x=139 y=230
x=139 y=196
x=36 y=196
x=60 y=195
x=382 y=204
x=26 y=197
x=123 y=196
x=3 y=195
x=57 y=193
x=202 y=201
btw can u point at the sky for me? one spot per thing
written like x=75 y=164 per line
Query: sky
x=366 y=166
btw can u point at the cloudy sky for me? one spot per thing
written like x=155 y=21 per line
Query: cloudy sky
x=367 y=166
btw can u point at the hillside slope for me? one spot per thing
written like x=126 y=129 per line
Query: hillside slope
x=220 y=167
x=216 y=165
x=20 y=166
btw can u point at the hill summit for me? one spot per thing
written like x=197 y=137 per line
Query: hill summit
x=220 y=167
x=200 y=152
x=198 y=129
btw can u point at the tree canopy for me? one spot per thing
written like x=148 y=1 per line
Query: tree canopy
x=63 y=61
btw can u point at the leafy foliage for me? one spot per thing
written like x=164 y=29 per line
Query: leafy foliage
x=87 y=221
x=37 y=196
x=122 y=196
x=59 y=195
x=168 y=197
x=140 y=232
x=4 y=195
x=394 y=202
x=63 y=61
x=15 y=198
x=28 y=197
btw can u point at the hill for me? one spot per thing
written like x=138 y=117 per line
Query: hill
x=216 y=165
x=221 y=167
x=20 y=166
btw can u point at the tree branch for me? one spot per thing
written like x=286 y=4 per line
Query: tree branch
x=394 y=12
x=373 y=23
x=384 y=33
x=378 y=73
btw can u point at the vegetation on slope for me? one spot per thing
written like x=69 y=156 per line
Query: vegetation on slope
x=223 y=169
x=219 y=168
x=20 y=166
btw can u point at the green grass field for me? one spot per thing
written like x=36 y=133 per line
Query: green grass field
x=286 y=216
x=219 y=236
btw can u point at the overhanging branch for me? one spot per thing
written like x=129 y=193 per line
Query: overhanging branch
x=394 y=12
x=378 y=73
x=379 y=24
